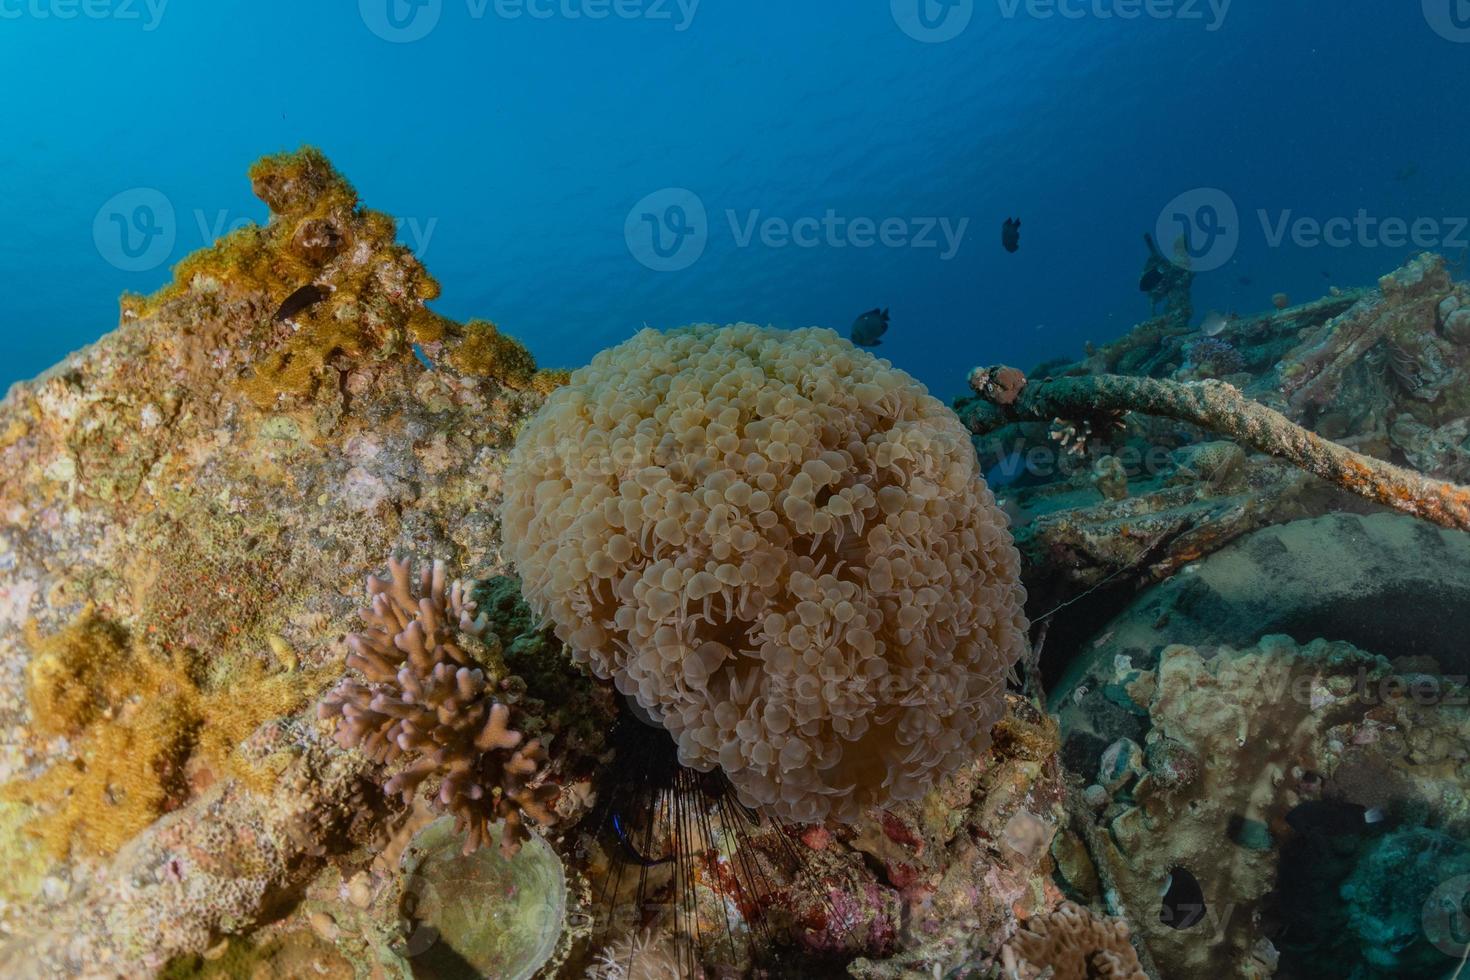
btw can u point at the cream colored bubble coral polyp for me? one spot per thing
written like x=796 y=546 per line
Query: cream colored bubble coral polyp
x=781 y=547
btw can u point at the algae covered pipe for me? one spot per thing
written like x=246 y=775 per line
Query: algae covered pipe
x=1005 y=395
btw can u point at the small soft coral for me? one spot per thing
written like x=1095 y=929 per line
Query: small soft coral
x=1072 y=944
x=1211 y=357
x=429 y=701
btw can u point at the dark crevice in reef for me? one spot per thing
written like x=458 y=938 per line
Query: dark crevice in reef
x=1069 y=629
x=1385 y=624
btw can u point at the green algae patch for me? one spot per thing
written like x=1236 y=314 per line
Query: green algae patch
x=21 y=855
x=480 y=915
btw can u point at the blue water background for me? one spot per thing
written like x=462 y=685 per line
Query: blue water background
x=514 y=148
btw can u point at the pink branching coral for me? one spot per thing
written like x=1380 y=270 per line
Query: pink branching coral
x=429 y=701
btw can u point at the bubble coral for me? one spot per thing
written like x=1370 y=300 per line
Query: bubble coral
x=1072 y=944
x=781 y=547
x=428 y=700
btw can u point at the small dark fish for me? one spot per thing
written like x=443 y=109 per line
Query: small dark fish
x=867 y=328
x=1151 y=278
x=1010 y=234
x=1332 y=818
x=302 y=299
x=1326 y=273
x=1183 y=902
x=1245 y=280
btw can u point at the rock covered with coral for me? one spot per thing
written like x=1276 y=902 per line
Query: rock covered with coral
x=188 y=508
x=781 y=547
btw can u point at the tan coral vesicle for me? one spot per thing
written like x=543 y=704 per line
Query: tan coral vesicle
x=782 y=548
x=426 y=699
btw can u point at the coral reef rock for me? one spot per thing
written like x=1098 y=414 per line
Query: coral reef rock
x=187 y=510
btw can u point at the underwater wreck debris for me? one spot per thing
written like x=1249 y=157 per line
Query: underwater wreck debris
x=429 y=700
x=1219 y=407
x=1072 y=944
x=819 y=600
x=1281 y=726
x=1167 y=284
x=1415 y=310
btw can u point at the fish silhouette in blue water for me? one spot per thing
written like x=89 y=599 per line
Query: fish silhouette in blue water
x=1183 y=901
x=867 y=328
x=1010 y=234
